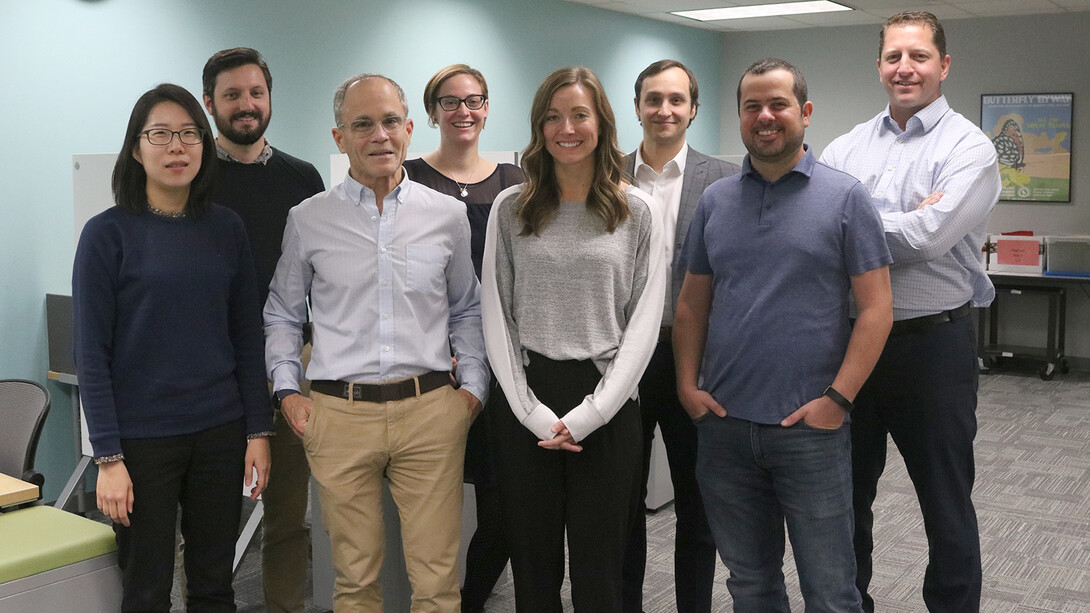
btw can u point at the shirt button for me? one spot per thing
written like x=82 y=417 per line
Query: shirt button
x=386 y=348
x=386 y=316
x=374 y=218
x=383 y=250
x=889 y=168
x=385 y=282
x=877 y=194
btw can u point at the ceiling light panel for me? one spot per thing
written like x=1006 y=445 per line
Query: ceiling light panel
x=763 y=10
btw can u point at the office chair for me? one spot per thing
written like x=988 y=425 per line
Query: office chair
x=23 y=407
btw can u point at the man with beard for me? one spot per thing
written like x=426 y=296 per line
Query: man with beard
x=261 y=183
x=771 y=258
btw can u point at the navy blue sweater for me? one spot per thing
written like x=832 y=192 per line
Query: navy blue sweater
x=168 y=330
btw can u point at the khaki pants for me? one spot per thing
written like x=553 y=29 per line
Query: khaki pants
x=419 y=445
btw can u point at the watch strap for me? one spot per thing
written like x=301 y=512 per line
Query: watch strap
x=839 y=398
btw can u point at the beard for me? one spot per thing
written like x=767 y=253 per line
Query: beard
x=790 y=146
x=245 y=136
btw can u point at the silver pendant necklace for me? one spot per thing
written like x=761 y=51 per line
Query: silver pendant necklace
x=464 y=189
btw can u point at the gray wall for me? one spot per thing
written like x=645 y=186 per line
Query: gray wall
x=1036 y=54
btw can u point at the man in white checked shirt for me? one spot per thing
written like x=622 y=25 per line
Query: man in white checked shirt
x=934 y=178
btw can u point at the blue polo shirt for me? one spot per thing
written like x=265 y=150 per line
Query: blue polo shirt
x=782 y=256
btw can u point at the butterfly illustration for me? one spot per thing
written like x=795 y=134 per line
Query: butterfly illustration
x=1009 y=146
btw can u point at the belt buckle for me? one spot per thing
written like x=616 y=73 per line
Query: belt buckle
x=348 y=391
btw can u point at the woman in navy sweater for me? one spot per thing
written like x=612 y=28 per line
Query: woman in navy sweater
x=169 y=355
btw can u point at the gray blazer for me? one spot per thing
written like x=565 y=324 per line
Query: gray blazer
x=700 y=172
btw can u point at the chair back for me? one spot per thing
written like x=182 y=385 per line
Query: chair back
x=23 y=408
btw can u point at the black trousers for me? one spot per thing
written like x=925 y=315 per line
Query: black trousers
x=203 y=473
x=923 y=392
x=694 y=548
x=590 y=495
x=487 y=555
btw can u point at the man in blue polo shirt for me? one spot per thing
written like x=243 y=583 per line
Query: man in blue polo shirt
x=771 y=258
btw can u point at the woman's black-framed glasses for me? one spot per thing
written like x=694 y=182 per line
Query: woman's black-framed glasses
x=451 y=103
x=161 y=137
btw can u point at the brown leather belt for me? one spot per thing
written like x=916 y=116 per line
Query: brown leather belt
x=927 y=322
x=383 y=392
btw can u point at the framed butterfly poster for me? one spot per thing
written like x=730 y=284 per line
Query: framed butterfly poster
x=1032 y=138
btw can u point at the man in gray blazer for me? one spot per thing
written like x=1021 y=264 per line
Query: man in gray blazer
x=676 y=175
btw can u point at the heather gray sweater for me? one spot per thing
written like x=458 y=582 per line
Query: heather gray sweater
x=575 y=292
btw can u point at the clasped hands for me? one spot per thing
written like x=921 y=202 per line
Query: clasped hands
x=561 y=440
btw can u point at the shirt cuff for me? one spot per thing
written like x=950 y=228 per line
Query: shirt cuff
x=582 y=420
x=117 y=457
x=480 y=395
x=540 y=421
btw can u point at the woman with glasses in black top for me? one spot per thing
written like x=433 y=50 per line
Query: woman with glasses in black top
x=456 y=100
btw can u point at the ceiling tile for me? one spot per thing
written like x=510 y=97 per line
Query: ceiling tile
x=996 y=8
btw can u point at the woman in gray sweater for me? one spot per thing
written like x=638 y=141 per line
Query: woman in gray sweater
x=573 y=280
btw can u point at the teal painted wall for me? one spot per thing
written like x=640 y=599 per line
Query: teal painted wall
x=72 y=70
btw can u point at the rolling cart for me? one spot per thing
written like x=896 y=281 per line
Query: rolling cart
x=1050 y=357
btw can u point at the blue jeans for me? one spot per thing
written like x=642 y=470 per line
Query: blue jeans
x=753 y=477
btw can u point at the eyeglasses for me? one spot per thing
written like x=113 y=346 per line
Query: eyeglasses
x=451 y=103
x=362 y=128
x=160 y=137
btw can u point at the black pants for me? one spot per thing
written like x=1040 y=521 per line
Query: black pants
x=590 y=494
x=487 y=555
x=923 y=392
x=694 y=548
x=202 y=472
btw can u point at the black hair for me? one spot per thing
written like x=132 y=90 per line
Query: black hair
x=129 y=180
x=228 y=59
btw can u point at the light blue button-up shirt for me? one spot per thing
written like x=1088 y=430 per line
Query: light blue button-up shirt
x=390 y=293
x=937 y=257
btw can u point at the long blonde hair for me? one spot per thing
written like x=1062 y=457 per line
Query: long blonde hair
x=539 y=200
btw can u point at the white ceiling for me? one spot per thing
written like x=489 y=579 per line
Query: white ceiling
x=866 y=11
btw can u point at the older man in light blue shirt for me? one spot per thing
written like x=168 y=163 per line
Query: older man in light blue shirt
x=386 y=264
x=933 y=176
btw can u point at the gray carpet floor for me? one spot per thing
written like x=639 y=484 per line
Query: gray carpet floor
x=1032 y=498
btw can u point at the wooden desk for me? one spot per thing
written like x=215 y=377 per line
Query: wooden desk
x=16 y=491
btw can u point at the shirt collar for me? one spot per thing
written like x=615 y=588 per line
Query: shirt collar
x=805 y=166
x=356 y=190
x=678 y=160
x=266 y=153
x=923 y=121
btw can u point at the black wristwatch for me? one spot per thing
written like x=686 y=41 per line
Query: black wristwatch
x=839 y=398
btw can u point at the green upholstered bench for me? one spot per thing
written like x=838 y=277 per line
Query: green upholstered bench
x=51 y=560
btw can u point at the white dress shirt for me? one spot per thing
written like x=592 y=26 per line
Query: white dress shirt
x=665 y=188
